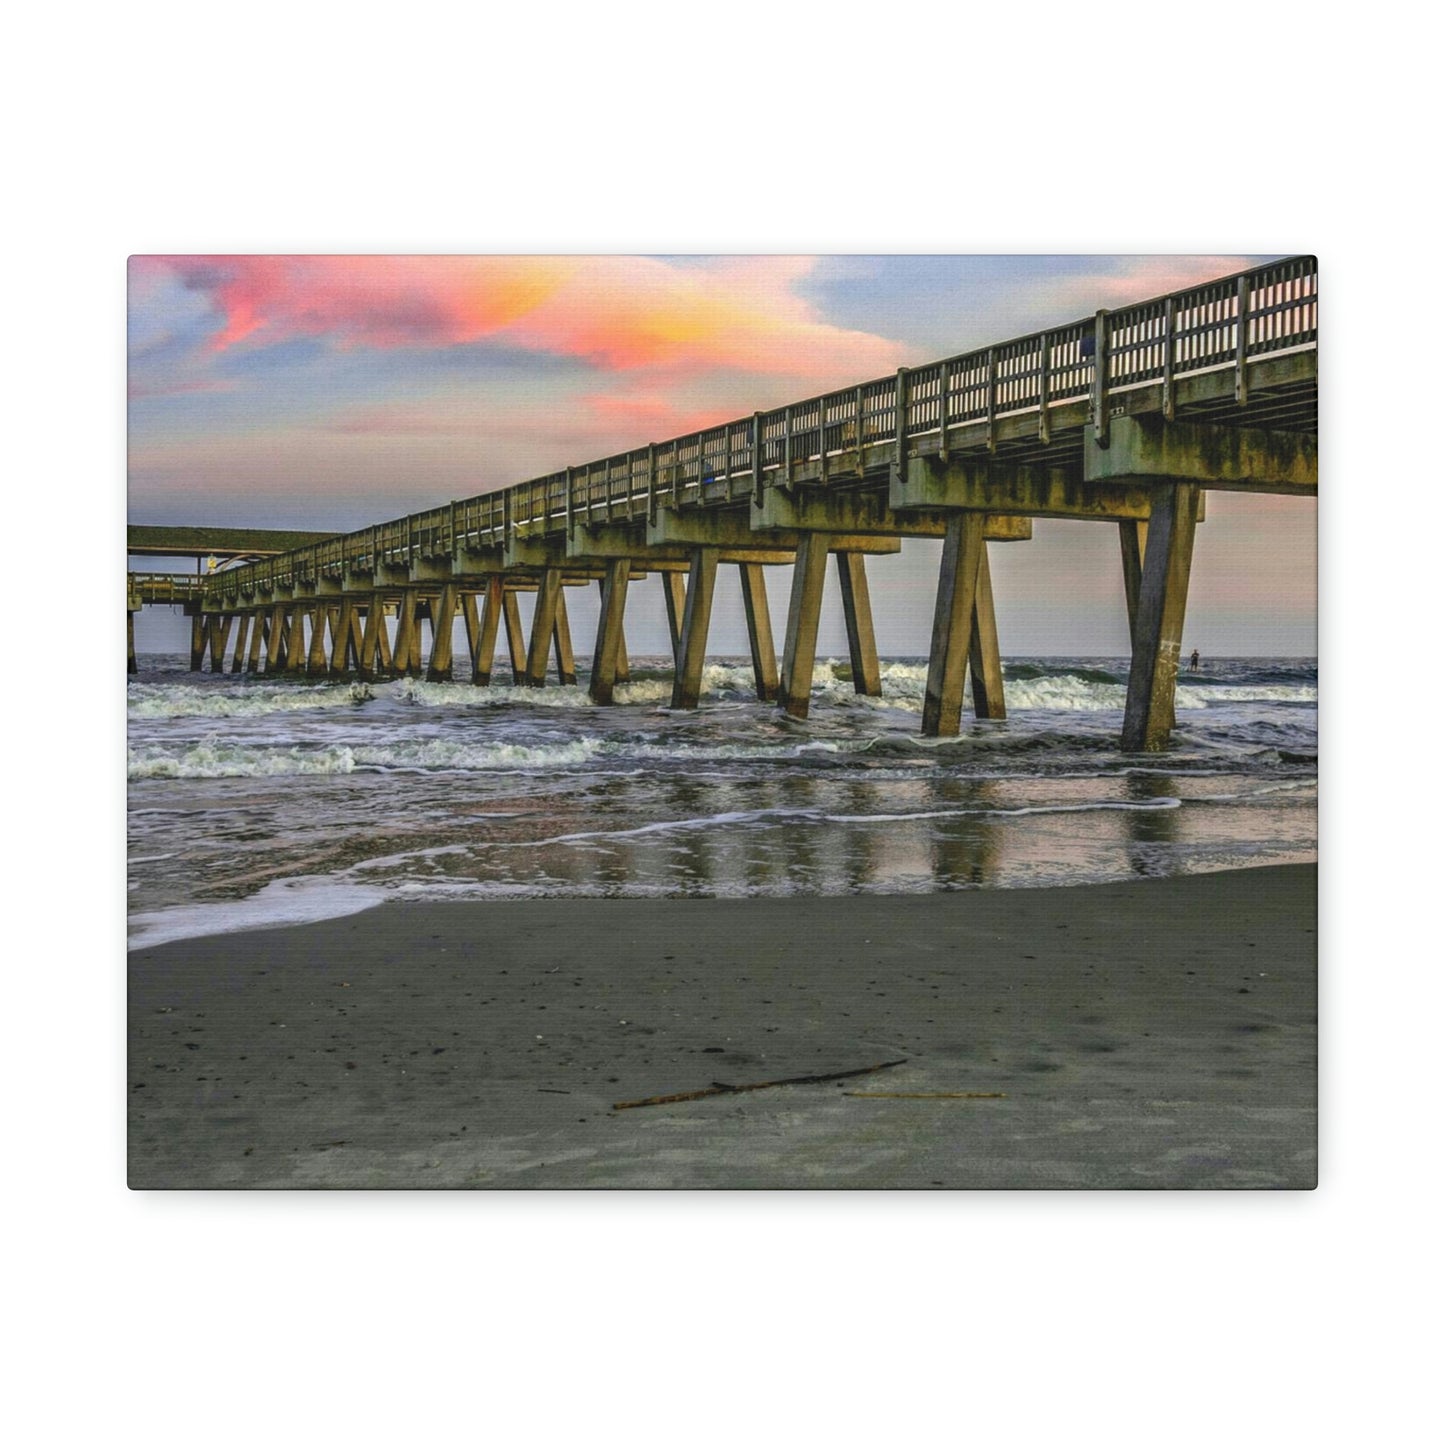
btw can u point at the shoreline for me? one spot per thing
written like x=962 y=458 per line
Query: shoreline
x=1155 y=1033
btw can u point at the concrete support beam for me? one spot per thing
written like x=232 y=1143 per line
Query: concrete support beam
x=697 y=614
x=562 y=643
x=985 y=667
x=963 y=550
x=609 y=631
x=858 y=618
x=443 y=614
x=544 y=617
x=243 y=630
x=674 y=591
x=800 y=649
x=1009 y=490
x=1159 y=626
x=1150 y=450
x=352 y=660
x=867 y=514
x=760 y=631
x=732 y=530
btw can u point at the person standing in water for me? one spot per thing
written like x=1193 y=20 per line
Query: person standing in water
x=1194 y=660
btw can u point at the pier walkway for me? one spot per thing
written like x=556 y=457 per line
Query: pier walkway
x=1126 y=418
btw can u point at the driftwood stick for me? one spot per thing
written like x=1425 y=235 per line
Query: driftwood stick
x=856 y=1094
x=748 y=1088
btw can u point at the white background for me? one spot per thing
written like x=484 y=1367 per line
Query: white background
x=1010 y=1317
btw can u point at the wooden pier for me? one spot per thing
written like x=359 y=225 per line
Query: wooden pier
x=1127 y=418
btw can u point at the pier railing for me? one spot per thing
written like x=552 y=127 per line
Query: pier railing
x=1227 y=323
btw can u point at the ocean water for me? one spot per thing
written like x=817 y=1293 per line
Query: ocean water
x=255 y=799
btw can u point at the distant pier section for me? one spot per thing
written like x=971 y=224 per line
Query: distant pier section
x=1126 y=418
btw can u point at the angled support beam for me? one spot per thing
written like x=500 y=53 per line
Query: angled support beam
x=697 y=614
x=316 y=652
x=562 y=644
x=1159 y=625
x=674 y=591
x=276 y=638
x=801 y=647
x=544 y=619
x=760 y=631
x=985 y=667
x=296 y=640
x=220 y=633
x=341 y=635
x=858 y=618
x=408 y=642
x=484 y=648
x=371 y=637
x=516 y=644
x=952 y=624
x=243 y=629
x=609 y=631
x=443 y=613
x=259 y=632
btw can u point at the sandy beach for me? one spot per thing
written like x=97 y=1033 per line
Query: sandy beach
x=1147 y=1035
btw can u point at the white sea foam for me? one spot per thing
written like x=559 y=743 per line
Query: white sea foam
x=287 y=901
x=161 y=700
x=216 y=759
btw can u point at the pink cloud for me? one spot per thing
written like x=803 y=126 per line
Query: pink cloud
x=621 y=313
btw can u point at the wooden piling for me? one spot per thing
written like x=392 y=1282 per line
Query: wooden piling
x=198 y=641
x=130 y=666
x=804 y=607
x=609 y=630
x=760 y=631
x=443 y=614
x=1159 y=624
x=544 y=617
x=963 y=547
x=858 y=619
x=697 y=613
x=985 y=667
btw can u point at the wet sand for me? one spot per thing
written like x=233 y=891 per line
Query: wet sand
x=1147 y=1035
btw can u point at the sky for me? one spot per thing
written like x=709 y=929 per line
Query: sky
x=332 y=392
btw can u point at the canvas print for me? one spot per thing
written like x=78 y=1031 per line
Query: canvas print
x=728 y=722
